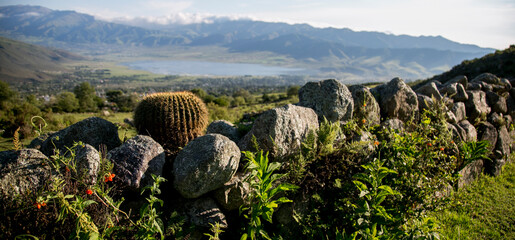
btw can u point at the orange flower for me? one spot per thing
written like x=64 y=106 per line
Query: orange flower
x=39 y=205
x=376 y=143
x=89 y=192
x=452 y=142
x=441 y=149
x=363 y=121
x=364 y=104
x=109 y=178
x=429 y=144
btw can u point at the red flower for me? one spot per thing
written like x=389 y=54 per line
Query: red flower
x=89 y=192
x=39 y=205
x=67 y=169
x=376 y=143
x=429 y=144
x=363 y=121
x=109 y=178
x=364 y=104
x=441 y=149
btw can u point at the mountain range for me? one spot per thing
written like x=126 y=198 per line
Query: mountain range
x=328 y=50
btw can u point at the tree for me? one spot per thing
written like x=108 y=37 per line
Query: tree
x=293 y=91
x=6 y=93
x=85 y=93
x=67 y=102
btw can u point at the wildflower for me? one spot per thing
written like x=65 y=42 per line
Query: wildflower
x=452 y=142
x=89 y=192
x=441 y=149
x=376 y=143
x=67 y=169
x=109 y=178
x=39 y=205
x=363 y=121
x=364 y=104
x=429 y=144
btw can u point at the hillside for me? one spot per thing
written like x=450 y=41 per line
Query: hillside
x=331 y=52
x=500 y=63
x=27 y=62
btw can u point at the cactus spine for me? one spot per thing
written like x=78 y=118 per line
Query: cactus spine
x=171 y=118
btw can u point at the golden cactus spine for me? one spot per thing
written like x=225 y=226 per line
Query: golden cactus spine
x=171 y=118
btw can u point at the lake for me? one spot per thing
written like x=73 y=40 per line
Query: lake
x=179 y=67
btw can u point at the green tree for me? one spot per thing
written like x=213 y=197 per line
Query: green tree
x=293 y=91
x=6 y=93
x=85 y=93
x=67 y=102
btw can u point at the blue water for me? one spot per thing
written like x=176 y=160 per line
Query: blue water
x=178 y=67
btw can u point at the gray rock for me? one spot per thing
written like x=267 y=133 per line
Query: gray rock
x=93 y=131
x=470 y=173
x=476 y=105
x=474 y=86
x=456 y=135
x=470 y=131
x=280 y=131
x=458 y=79
x=461 y=94
x=507 y=85
x=501 y=152
x=234 y=193
x=365 y=105
x=486 y=87
x=393 y=124
x=396 y=100
x=462 y=134
x=205 y=164
x=225 y=128
x=450 y=117
x=449 y=90
x=203 y=211
x=496 y=102
x=430 y=90
x=424 y=102
x=459 y=111
x=87 y=161
x=135 y=161
x=22 y=172
x=496 y=119
x=487 y=78
x=329 y=99
x=487 y=132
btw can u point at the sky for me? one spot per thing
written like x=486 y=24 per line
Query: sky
x=486 y=23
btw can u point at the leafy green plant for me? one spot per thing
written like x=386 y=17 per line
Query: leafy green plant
x=215 y=230
x=472 y=151
x=263 y=192
x=371 y=214
x=149 y=223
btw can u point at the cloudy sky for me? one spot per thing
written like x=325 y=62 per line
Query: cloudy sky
x=487 y=23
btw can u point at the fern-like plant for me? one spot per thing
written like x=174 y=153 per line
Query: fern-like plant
x=171 y=118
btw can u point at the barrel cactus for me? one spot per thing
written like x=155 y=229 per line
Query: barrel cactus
x=171 y=118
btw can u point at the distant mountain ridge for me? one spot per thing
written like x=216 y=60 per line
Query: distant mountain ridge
x=336 y=49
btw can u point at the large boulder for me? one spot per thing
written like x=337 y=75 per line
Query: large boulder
x=487 y=132
x=205 y=164
x=393 y=124
x=93 y=131
x=501 y=152
x=135 y=161
x=203 y=212
x=365 y=105
x=476 y=105
x=21 y=172
x=234 y=193
x=225 y=128
x=87 y=161
x=496 y=102
x=430 y=90
x=459 y=110
x=461 y=79
x=329 y=99
x=396 y=99
x=280 y=131
x=470 y=131
x=470 y=173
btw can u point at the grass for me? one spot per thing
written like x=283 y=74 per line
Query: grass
x=483 y=210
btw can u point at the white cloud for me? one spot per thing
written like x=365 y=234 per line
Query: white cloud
x=29 y=14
